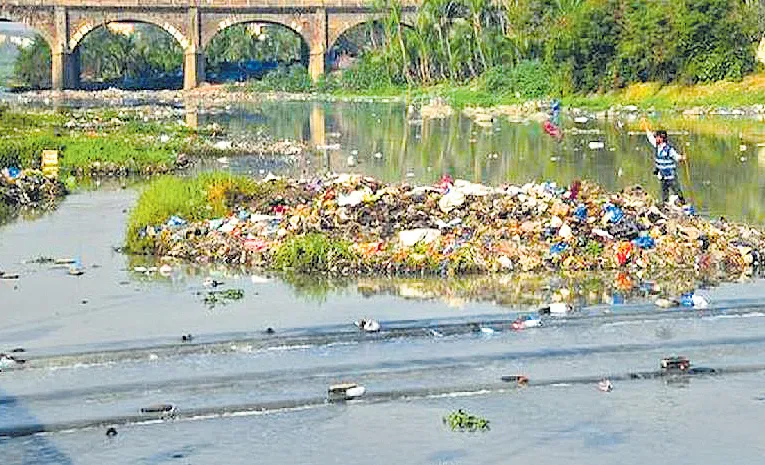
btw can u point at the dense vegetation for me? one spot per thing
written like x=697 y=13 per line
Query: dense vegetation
x=537 y=47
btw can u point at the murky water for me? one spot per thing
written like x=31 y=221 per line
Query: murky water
x=105 y=344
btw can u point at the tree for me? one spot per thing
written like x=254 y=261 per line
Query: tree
x=32 y=68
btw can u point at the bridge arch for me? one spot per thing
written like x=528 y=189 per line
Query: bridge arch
x=267 y=44
x=86 y=27
x=295 y=23
x=39 y=29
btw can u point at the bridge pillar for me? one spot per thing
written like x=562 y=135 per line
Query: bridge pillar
x=193 y=57
x=318 y=45
x=193 y=69
x=65 y=65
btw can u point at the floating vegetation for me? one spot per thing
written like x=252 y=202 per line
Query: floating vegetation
x=213 y=298
x=460 y=420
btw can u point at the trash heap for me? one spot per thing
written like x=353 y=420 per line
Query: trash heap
x=349 y=224
x=29 y=189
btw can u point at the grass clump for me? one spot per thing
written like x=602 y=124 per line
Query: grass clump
x=202 y=197
x=313 y=252
x=460 y=420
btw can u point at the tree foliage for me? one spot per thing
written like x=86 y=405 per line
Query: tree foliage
x=32 y=68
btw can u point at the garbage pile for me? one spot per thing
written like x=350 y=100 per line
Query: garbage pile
x=29 y=189
x=349 y=224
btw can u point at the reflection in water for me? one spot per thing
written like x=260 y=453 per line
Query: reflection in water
x=520 y=291
x=388 y=142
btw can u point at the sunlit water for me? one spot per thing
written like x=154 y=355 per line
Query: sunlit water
x=103 y=345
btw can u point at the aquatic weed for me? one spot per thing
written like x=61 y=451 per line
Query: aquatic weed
x=313 y=252
x=460 y=420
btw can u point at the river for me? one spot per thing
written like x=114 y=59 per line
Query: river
x=105 y=344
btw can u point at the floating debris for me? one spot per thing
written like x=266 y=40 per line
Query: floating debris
x=345 y=391
x=675 y=364
x=520 y=380
x=605 y=385
x=111 y=432
x=460 y=420
x=159 y=408
x=368 y=325
x=213 y=298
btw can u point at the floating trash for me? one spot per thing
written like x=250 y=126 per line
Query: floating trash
x=675 y=364
x=520 y=380
x=159 y=408
x=345 y=391
x=605 y=385
x=368 y=325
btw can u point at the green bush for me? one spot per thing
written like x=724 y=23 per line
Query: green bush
x=314 y=252
x=202 y=197
x=292 y=78
x=530 y=79
x=370 y=72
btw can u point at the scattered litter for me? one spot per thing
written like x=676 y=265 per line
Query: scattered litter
x=4 y=275
x=255 y=279
x=605 y=385
x=76 y=269
x=666 y=303
x=526 y=322
x=159 y=408
x=675 y=364
x=210 y=282
x=111 y=432
x=596 y=145
x=520 y=380
x=368 y=325
x=555 y=308
x=345 y=391
x=10 y=362
x=187 y=338
x=581 y=119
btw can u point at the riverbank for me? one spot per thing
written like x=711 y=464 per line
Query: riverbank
x=351 y=225
x=746 y=97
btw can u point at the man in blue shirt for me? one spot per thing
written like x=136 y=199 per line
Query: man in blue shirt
x=665 y=164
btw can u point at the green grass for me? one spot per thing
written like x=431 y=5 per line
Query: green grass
x=205 y=196
x=129 y=146
x=723 y=94
x=314 y=252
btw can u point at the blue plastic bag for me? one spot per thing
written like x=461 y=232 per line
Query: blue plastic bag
x=686 y=300
x=644 y=242
x=175 y=221
x=558 y=248
x=613 y=214
x=581 y=213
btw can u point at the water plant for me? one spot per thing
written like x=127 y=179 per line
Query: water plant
x=313 y=252
x=460 y=420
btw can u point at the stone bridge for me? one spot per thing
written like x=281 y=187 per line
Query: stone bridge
x=193 y=23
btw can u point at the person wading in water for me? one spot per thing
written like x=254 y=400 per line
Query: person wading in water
x=665 y=163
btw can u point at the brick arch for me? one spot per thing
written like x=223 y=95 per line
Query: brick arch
x=299 y=24
x=41 y=22
x=89 y=25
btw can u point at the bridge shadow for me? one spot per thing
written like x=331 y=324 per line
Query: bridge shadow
x=35 y=449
